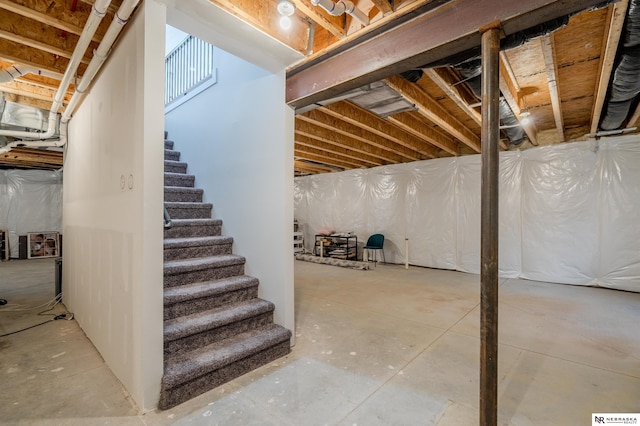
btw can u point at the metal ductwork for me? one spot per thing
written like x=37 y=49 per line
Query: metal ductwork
x=625 y=85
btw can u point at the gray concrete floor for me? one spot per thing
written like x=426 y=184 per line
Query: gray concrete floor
x=387 y=346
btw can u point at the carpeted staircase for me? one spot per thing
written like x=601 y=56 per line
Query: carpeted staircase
x=215 y=326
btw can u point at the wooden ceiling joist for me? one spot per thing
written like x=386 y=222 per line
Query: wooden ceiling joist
x=334 y=24
x=512 y=94
x=383 y=6
x=548 y=51
x=303 y=151
x=366 y=159
x=407 y=122
x=339 y=126
x=615 y=22
x=38 y=45
x=429 y=108
x=24 y=100
x=452 y=28
x=323 y=159
x=17 y=53
x=310 y=168
x=263 y=16
x=369 y=121
x=326 y=134
x=445 y=81
x=20 y=88
x=48 y=18
x=32 y=158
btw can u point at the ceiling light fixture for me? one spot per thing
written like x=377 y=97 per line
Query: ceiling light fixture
x=286 y=9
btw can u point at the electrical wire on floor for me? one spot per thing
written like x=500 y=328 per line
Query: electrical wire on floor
x=10 y=307
x=49 y=307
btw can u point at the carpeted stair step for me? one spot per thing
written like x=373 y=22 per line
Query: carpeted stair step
x=185 y=248
x=190 y=332
x=168 y=144
x=185 y=228
x=188 y=210
x=187 y=299
x=175 y=167
x=185 y=271
x=172 y=155
x=182 y=195
x=195 y=372
x=179 y=179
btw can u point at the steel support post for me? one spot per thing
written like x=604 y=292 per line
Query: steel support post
x=489 y=227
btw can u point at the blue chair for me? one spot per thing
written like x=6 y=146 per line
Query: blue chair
x=374 y=243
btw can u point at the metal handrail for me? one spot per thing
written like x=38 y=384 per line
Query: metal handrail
x=167 y=219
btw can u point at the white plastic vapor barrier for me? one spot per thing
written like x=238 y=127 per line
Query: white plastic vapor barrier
x=30 y=201
x=567 y=212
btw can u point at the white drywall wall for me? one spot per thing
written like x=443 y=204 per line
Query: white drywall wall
x=237 y=137
x=112 y=208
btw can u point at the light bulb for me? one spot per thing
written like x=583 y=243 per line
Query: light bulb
x=285 y=22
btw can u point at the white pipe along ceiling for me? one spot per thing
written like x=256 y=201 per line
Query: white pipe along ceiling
x=99 y=56
x=341 y=7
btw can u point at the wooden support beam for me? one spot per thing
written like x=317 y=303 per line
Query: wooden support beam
x=47 y=18
x=334 y=24
x=369 y=121
x=615 y=22
x=512 y=94
x=339 y=126
x=396 y=47
x=326 y=134
x=548 y=51
x=367 y=160
x=489 y=228
x=419 y=128
x=431 y=109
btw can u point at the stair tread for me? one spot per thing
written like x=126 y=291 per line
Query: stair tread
x=182 y=189
x=196 y=241
x=190 y=365
x=187 y=204
x=198 y=322
x=198 y=221
x=207 y=288
x=197 y=263
x=178 y=175
x=175 y=162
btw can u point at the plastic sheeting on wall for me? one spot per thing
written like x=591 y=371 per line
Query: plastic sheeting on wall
x=567 y=212
x=30 y=201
